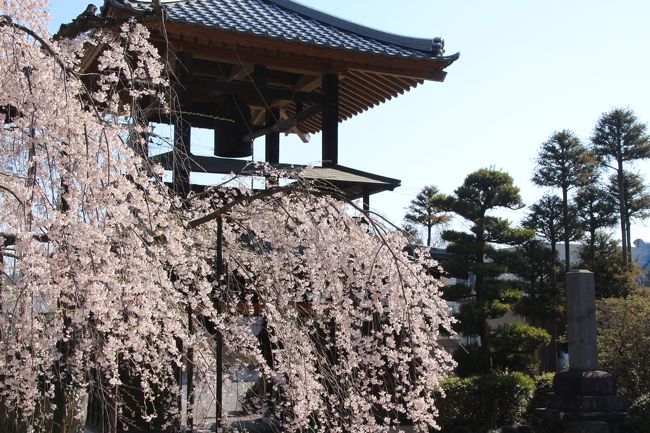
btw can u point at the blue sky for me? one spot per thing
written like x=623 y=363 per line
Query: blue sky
x=527 y=69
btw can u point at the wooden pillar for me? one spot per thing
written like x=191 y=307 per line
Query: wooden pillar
x=272 y=143
x=181 y=169
x=218 y=336
x=182 y=127
x=272 y=139
x=330 y=119
x=366 y=200
x=190 y=371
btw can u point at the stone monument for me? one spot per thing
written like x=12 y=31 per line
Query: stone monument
x=584 y=399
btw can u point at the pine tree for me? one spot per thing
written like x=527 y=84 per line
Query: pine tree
x=563 y=162
x=542 y=302
x=475 y=252
x=425 y=211
x=618 y=139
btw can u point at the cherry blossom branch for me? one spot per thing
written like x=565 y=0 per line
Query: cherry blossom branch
x=87 y=21
x=10 y=239
x=6 y=21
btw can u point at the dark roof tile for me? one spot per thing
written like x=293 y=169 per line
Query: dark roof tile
x=284 y=19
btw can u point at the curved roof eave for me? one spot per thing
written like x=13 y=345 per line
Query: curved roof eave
x=427 y=49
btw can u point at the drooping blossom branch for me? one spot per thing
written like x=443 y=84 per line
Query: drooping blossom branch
x=106 y=263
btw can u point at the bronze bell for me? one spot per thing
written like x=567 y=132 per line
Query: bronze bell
x=229 y=131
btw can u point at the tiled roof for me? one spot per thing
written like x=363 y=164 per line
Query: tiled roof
x=290 y=21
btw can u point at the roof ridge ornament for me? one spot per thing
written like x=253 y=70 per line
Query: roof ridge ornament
x=438 y=47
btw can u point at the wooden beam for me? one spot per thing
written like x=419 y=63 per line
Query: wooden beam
x=308 y=83
x=305 y=57
x=284 y=125
x=243 y=89
x=239 y=72
x=304 y=137
x=203 y=164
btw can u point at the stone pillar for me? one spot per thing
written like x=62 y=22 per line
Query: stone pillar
x=581 y=318
x=584 y=399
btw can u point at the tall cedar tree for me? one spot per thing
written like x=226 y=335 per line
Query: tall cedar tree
x=563 y=162
x=596 y=211
x=637 y=202
x=546 y=217
x=425 y=212
x=474 y=252
x=619 y=138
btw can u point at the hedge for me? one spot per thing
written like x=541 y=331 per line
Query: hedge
x=486 y=402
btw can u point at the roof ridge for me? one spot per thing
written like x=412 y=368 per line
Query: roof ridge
x=433 y=46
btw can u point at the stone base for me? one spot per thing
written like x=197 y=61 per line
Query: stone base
x=582 y=402
x=577 y=382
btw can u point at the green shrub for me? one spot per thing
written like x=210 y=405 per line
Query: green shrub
x=472 y=360
x=624 y=343
x=488 y=401
x=513 y=346
x=543 y=386
x=638 y=420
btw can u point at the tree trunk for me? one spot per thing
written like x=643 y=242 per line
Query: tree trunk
x=629 y=238
x=621 y=208
x=63 y=347
x=484 y=331
x=59 y=399
x=565 y=223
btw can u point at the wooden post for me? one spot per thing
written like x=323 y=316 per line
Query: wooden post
x=218 y=336
x=366 y=200
x=273 y=138
x=190 y=372
x=272 y=143
x=330 y=119
x=182 y=127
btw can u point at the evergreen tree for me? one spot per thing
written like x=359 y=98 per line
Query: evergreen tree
x=424 y=211
x=620 y=138
x=546 y=217
x=613 y=277
x=595 y=211
x=543 y=301
x=637 y=202
x=475 y=253
x=563 y=162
